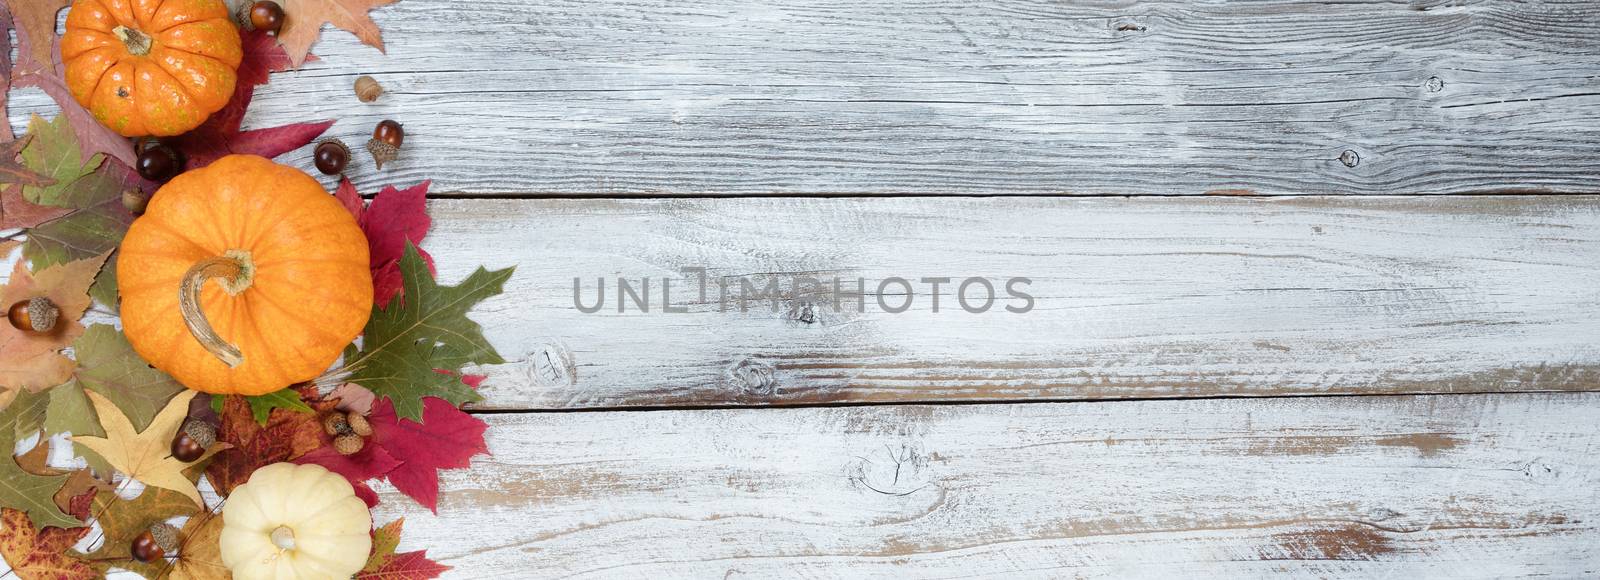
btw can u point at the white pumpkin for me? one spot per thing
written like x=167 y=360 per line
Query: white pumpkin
x=295 y=521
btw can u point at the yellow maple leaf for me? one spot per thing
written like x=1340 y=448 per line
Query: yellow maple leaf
x=146 y=456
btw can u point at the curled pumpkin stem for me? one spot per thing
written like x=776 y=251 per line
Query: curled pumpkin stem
x=234 y=271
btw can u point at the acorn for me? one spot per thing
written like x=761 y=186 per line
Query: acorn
x=266 y=15
x=157 y=162
x=331 y=156
x=359 y=424
x=348 y=444
x=135 y=201
x=368 y=89
x=192 y=440
x=335 y=424
x=385 y=142
x=35 y=315
x=154 y=543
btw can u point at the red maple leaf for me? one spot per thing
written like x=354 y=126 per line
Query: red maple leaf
x=394 y=217
x=262 y=55
x=406 y=566
x=220 y=136
x=447 y=438
x=371 y=462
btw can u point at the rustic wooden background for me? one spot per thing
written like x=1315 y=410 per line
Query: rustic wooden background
x=1317 y=283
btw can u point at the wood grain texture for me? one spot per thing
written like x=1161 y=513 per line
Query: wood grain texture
x=1145 y=297
x=1470 y=486
x=717 y=97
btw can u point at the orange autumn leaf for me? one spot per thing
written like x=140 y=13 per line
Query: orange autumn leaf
x=305 y=25
x=34 y=361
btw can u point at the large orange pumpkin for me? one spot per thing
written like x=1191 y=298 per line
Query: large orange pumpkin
x=290 y=264
x=151 y=67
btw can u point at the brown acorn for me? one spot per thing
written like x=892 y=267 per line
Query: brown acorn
x=266 y=15
x=385 y=143
x=359 y=424
x=35 y=315
x=154 y=543
x=192 y=440
x=331 y=156
x=158 y=162
x=368 y=89
x=135 y=201
x=348 y=444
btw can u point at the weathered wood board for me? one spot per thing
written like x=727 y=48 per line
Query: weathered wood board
x=953 y=96
x=1154 y=297
x=1466 y=486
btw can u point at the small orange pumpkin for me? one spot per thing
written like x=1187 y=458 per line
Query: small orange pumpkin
x=291 y=265
x=149 y=67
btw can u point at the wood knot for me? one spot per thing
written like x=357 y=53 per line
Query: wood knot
x=753 y=377
x=894 y=471
x=1350 y=158
x=1434 y=85
x=551 y=365
x=1126 y=26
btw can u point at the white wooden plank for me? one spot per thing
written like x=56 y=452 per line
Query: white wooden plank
x=1145 y=297
x=1469 y=486
x=955 y=96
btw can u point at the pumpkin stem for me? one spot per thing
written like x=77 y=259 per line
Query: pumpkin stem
x=234 y=271
x=138 y=43
x=283 y=538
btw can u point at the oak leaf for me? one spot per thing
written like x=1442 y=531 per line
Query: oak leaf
x=146 y=455
x=34 y=553
x=427 y=330
x=24 y=490
x=302 y=30
x=34 y=361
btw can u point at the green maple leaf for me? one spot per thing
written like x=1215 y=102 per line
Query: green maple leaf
x=70 y=413
x=19 y=489
x=424 y=329
x=96 y=226
x=107 y=365
x=261 y=406
x=54 y=154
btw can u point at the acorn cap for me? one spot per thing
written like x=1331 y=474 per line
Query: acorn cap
x=359 y=424
x=382 y=152
x=348 y=444
x=165 y=535
x=42 y=314
x=335 y=424
x=201 y=432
